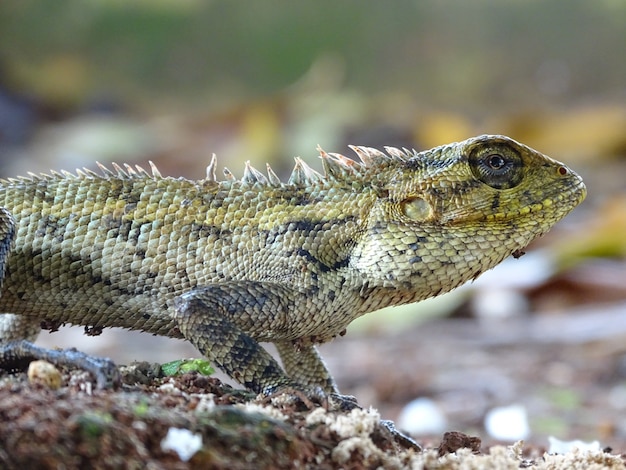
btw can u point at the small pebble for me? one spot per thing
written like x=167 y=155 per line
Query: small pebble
x=422 y=416
x=182 y=441
x=558 y=446
x=507 y=423
x=44 y=373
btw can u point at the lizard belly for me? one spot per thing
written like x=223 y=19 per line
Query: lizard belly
x=102 y=309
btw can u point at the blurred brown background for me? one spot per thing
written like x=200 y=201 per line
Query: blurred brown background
x=174 y=81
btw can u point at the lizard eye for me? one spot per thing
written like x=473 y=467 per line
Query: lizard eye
x=499 y=168
x=496 y=162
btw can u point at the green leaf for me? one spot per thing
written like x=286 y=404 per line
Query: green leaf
x=182 y=366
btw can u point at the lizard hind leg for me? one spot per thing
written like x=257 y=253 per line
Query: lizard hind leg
x=7 y=237
x=17 y=332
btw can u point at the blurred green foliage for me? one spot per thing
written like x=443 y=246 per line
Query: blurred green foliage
x=484 y=53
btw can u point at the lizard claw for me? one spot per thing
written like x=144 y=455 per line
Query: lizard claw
x=312 y=396
x=343 y=402
x=402 y=439
x=348 y=402
x=295 y=395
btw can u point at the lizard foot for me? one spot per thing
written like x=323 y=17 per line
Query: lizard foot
x=294 y=395
x=310 y=397
x=16 y=355
x=338 y=402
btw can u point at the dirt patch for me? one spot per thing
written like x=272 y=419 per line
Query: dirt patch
x=78 y=427
x=132 y=427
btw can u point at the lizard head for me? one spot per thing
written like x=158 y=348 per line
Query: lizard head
x=446 y=215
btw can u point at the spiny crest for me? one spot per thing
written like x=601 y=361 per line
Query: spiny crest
x=118 y=172
x=127 y=172
x=302 y=174
x=341 y=168
x=337 y=167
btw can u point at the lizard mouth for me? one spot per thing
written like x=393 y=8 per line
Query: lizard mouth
x=556 y=202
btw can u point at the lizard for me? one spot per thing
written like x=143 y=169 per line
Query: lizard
x=228 y=263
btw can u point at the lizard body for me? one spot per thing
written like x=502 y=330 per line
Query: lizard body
x=227 y=264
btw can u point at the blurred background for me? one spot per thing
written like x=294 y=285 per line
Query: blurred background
x=541 y=338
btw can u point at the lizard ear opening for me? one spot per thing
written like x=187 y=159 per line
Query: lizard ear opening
x=416 y=209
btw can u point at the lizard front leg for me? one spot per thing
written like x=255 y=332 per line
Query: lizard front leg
x=304 y=365
x=223 y=321
x=226 y=321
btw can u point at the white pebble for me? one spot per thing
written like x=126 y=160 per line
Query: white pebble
x=500 y=303
x=558 y=446
x=507 y=423
x=422 y=416
x=183 y=442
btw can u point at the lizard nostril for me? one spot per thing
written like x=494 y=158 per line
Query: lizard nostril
x=562 y=171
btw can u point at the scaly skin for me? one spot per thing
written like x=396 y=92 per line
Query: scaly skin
x=226 y=264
